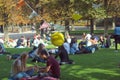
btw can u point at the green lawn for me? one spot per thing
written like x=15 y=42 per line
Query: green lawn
x=102 y=65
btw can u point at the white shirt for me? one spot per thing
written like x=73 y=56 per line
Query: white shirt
x=69 y=40
x=88 y=36
x=89 y=43
x=36 y=42
x=1 y=40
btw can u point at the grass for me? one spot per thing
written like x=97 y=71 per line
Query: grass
x=102 y=65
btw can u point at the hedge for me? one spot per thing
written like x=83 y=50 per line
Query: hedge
x=78 y=32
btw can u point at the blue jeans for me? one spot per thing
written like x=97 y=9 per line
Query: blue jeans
x=89 y=48
x=15 y=56
x=30 y=72
x=23 y=75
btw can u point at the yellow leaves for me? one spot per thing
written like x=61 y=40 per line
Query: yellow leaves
x=1 y=23
x=94 y=0
x=14 y=16
x=1 y=1
x=76 y=16
x=71 y=1
x=19 y=19
x=1 y=4
x=20 y=4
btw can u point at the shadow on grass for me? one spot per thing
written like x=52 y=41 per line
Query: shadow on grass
x=102 y=65
x=77 y=72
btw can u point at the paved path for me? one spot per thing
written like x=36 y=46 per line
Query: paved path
x=30 y=33
x=18 y=35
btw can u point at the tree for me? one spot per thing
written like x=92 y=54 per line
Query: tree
x=91 y=10
x=5 y=9
x=57 y=10
x=63 y=10
x=112 y=9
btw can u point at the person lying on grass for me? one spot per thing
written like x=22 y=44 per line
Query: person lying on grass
x=34 y=53
x=38 y=78
x=19 y=68
x=52 y=66
x=82 y=49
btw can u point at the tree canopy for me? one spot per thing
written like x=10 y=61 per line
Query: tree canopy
x=56 y=10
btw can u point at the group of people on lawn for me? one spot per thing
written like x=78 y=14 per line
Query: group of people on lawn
x=28 y=42
x=40 y=54
x=51 y=71
x=21 y=71
x=88 y=44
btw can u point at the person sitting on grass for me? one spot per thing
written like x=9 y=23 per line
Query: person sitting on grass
x=102 y=41
x=85 y=48
x=20 y=41
x=91 y=45
x=66 y=46
x=34 y=54
x=107 y=41
x=52 y=68
x=2 y=49
x=73 y=46
x=83 y=38
x=63 y=55
x=82 y=49
x=94 y=43
x=19 y=68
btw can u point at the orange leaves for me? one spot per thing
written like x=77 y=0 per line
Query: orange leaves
x=20 y=4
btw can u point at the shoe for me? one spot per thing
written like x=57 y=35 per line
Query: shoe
x=34 y=60
x=62 y=63
x=93 y=50
x=71 y=62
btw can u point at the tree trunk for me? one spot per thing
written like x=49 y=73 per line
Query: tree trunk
x=72 y=25
x=105 y=19
x=12 y=26
x=55 y=22
x=94 y=24
x=6 y=36
x=91 y=26
x=67 y=25
x=113 y=23
x=105 y=26
x=67 y=29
